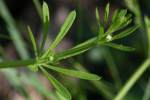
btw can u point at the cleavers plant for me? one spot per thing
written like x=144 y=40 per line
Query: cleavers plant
x=49 y=59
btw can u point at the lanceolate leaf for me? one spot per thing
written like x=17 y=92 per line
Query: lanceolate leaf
x=125 y=33
x=106 y=15
x=74 y=73
x=120 y=47
x=97 y=15
x=115 y=15
x=46 y=19
x=58 y=86
x=45 y=12
x=101 y=28
x=64 y=29
x=33 y=41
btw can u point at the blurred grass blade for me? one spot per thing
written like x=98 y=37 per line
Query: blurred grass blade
x=97 y=14
x=33 y=41
x=64 y=29
x=46 y=20
x=58 y=86
x=77 y=49
x=74 y=73
x=115 y=15
x=147 y=91
x=120 y=47
x=126 y=32
x=13 y=31
x=106 y=14
x=38 y=7
x=147 y=25
x=134 y=6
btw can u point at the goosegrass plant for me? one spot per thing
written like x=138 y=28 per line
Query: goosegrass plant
x=49 y=59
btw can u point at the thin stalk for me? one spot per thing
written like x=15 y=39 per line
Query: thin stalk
x=133 y=79
x=103 y=88
x=113 y=68
x=19 y=63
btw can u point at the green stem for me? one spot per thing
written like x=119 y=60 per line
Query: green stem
x=19 y=63
x=113 y=68
x=77 y=49
x=133 y=79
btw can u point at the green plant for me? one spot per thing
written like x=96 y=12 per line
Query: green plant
x=50 y=59
x=140 y=71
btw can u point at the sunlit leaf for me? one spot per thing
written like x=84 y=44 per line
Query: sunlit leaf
x=74 y=73
x=58 y=86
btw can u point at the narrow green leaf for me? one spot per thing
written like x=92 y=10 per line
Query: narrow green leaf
x=64 y=29
x=58 y=86
x=17 y=63
x=32 y=40
x=97 y=15
x=46 y=19
x=119 y=21
x=115 y=15
x=77 y=49
x=101 y=32
x=120 y=47
x=147 y=25
x=45 y=12
x=74 y=73
x=125 y=33
x=101 y=28
x=122 y=13
x=13 y=31
x=106 y=15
